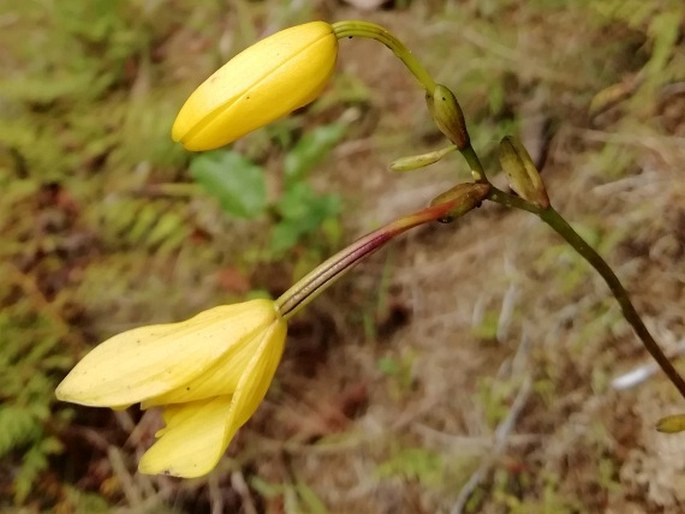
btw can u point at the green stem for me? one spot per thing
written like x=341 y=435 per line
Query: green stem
x=324 y=275
x=561 y=226
x=351 y=28
x=516 y=202
x=477 y=171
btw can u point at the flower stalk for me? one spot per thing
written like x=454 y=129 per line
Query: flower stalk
x=561 y=227
x=477 y=171
x=359 y=28
x=552 y=218
x=324 y=275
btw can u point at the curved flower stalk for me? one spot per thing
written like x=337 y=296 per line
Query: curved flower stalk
x=452 y=204
x=267 y=81
x=208 y=373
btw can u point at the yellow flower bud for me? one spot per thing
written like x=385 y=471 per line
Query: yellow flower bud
x=208 y=373
x=268 y=80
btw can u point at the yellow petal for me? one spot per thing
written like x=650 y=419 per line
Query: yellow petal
x=258 y=375
x=266 y=81
x=192 y=442
x=149 y=361
x=197 y=433
x=221 y=378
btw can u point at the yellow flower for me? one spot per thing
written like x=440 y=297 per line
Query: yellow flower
x=208 y=373
x=259 y=85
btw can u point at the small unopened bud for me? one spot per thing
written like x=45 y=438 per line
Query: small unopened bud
x=414 y=162
x=448 y=116
x=671 y=424
x=465 y=197
x=524 y=177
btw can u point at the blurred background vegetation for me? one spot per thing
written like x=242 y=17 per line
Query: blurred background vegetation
x=466 y=369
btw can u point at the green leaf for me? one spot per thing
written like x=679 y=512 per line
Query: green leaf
x=300 y=202
x=303 y=212
x=232 y=179
x=310 y=151
x=34 y=461
x=18 y=427
x=284 y=236
x=388 y=366
x=671 y=424
x=310 y=499
x=420 y=464
x=265 y=488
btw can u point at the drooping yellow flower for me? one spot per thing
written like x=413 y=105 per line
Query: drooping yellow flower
x=208 y=373
x=266 y=81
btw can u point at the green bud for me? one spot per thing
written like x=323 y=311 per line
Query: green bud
x=522 y=173
x=465 y=197
x=671 y=424
x=414 y=162
x=448 y=116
